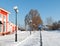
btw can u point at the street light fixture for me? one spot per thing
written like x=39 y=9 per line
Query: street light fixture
x=16 y=11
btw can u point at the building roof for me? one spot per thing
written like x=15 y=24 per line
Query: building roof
x=3 y=11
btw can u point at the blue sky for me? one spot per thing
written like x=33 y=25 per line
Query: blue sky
x=46 y=8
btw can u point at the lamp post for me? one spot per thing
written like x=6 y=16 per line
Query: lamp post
x=30 y=25
x=16 y=11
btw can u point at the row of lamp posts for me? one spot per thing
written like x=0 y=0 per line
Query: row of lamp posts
x=16 y=11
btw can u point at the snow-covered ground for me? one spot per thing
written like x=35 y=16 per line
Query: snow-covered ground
x=9 y=40
x=24 y=39
x=33 y=40
x=51 y=38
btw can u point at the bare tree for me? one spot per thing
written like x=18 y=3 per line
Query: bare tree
x=49 y=20
x=35 y=17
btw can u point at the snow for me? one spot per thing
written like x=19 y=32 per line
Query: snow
x=9 y=40
x=49 y=38
x=33 y=40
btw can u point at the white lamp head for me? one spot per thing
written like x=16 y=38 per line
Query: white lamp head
x=17 y=10
x=30 y=21
x=15 y=7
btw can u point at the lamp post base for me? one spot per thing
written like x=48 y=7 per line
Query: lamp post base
x=15 y=37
